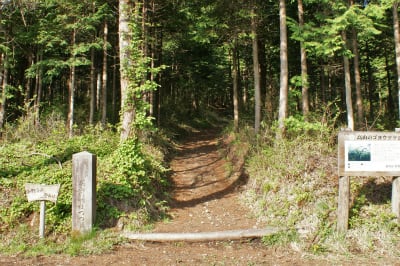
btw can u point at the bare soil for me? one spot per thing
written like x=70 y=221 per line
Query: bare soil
x=208 y=182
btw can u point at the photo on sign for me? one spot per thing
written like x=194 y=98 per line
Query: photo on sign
x=359 y=153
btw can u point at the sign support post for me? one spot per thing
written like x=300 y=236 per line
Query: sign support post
x=396 y=197
x=42 y=218
x=343 y=204
x=396 y=189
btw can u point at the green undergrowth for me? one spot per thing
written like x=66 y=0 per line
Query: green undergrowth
x=132 y=184
x=293 y=185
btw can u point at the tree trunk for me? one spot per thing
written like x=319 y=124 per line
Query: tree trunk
x=389 y=100
x=304 y=71
x=157 y=61
x=71 y=95
x=3 y=87
x=269 y=93
x=127 y=106
x=397 y=45
x=263 y=72
x=114 y=90
x=145 y=48
x=92 y=87
x=235 y=81
x=38 y=92
x=284 y=78
x=92 y=92
x=28 y=85
x=324 y=83
x=98 y=90
x=104 y=77
x=370 y=86
x=256 y=72
x=347 y=83
x=152 y=79
x=357 y=79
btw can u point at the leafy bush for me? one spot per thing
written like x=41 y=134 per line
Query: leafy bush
x=137 y=181
x=131 y=179
x=296 y=126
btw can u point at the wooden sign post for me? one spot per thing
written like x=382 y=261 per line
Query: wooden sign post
x=42 y=193
x=367 y=154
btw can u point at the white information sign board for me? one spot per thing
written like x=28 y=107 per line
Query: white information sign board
x=40 y=192
x=369 y=153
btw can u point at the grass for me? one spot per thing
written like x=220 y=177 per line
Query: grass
x=27 y=243
x=293 y=184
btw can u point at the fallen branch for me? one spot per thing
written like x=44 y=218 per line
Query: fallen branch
x=48 y=156
x=201 y=236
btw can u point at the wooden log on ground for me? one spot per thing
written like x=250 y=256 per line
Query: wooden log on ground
x=201 y=236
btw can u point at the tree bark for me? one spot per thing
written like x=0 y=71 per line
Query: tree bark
x=92 y=92
x=104 y=77
x=357 y=80
x=127 y=107
x=71 y=90
x=114 y=90
x=284 y=78
x=357 y=76
x=256 y=73
x=397 y=45
x=370 y=83
x=235 y=81
x=263 y=74
x=38 y=92
x=389 y=100
x=303 y=62
x=28 y=84
x=92 y=87
x=347 y=81
x=3 y=87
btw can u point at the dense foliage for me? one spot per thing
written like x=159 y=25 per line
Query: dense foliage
x=64 y=55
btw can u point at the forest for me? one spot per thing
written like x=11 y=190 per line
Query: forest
x=271 y=60
x=123 y=79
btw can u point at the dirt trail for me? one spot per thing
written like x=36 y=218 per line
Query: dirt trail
x=207 y=190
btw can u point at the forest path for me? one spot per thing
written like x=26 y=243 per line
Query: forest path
x=206 y=195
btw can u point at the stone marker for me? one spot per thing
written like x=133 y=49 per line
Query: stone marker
x=83 y=191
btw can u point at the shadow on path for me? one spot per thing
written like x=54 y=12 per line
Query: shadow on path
x=201 y=172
